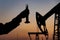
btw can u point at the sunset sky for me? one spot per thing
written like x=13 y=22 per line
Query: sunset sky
x=11 y=8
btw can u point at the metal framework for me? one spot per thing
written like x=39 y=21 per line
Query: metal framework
x=37 y=35
x=55 y=35
x=55 y=10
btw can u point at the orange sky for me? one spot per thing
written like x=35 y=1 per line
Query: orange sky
x=21 y=32
x=10 y=9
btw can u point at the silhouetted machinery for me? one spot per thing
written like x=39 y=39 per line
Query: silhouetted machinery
x=41 y=21
x=56 y=11
x=8 y=27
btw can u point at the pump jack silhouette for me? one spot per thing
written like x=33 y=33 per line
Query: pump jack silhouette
x=41 y=21
x=8 y=27
x=55 y=10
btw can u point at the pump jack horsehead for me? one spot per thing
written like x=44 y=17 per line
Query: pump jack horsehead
x=41 y=22
x=8 y=27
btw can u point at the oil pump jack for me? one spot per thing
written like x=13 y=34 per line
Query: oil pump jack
x=55 y=10
x=40 y=22
x=42 y=19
